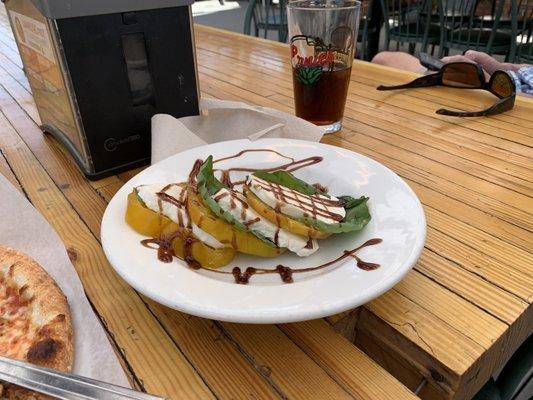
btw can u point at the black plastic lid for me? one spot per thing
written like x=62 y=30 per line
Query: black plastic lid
x=57 y=9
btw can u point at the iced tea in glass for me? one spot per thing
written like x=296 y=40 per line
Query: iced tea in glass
x=323 y=36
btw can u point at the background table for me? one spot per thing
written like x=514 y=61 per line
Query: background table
x=442 y=331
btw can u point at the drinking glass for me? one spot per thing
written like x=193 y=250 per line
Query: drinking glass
x=323 y=36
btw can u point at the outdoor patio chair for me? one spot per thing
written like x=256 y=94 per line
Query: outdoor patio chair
x=409 y=21
x=265 y=15
x=365 y=30
x=478 y=25
x=522 y=50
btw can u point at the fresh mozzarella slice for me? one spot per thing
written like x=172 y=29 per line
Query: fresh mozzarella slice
x=235 y=204
x=295 y=204
x=171 y=204
x=205 y=237
x=170 y=200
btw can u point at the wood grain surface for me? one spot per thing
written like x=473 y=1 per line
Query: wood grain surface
x=441 y=332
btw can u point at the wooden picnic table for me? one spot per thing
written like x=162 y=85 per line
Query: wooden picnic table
x=441 y=332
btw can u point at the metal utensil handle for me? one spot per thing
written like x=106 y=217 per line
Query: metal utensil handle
x=62 y=385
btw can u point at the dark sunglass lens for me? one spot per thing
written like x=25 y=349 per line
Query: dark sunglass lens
x=501 y=84
x=461 y=75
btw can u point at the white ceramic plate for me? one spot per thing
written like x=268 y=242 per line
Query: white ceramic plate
x=397 y=218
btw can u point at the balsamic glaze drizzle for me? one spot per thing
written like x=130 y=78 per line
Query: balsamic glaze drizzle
x=285 y=272
x=163 y=244
x=292 y=165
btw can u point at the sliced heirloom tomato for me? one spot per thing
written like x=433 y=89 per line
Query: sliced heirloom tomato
x=282 y=220
x=150 y=223
x=143 y=220
x=207 y=256
x=245 y=242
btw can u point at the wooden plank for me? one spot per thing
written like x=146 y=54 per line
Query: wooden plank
x=6 y=171
x=286 y=365
x=515 y=143
x=403 y=128
x=12 y=55
x=150 y=352
x=500 y=303
x=127 y=175
x=403 y=107
x=220 y=361
x=462 y=315
x=242 y=90
x=400 y=368
x=460 y=369
x=358 y=373
x=107 y=192
x=500 y=273
x=432 y=335
x=488 y=244
x=437 y=350
x=381 y=152
x=14 y=71
x=22 y=96
x=496 y=356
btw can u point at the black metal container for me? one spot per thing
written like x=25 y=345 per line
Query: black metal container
x=99 y=70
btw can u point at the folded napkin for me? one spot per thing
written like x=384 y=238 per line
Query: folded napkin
x=221 y=120
x=93 y=355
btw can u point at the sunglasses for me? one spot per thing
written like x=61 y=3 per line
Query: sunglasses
x=464 y=75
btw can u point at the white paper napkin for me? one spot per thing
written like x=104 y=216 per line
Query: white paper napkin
x=26 y=230
x=221 y=120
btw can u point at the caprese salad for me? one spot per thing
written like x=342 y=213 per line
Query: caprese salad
x=206 y=222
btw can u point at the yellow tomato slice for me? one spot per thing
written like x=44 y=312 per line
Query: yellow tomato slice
x=224 y=232
x=143 y=220
x=207 y=256
x=152 y=224
x=282 y=220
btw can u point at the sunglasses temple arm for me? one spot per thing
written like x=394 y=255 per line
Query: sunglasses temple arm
x=423 y=81
x=451 y=113
x=500 y=106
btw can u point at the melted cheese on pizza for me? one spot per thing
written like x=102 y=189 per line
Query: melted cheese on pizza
x=16 y=328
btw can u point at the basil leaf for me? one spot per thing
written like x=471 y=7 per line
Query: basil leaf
x=206 y=177
x=288 y=180
x=357 y=216
x=208 y=185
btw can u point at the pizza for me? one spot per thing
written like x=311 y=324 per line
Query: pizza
x=35 y=320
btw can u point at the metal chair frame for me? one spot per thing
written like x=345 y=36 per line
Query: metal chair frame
x=522 y=28
x=464 y=30
x=411 y=23
x=264 y=16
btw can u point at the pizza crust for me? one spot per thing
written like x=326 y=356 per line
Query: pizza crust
x=51 y=343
